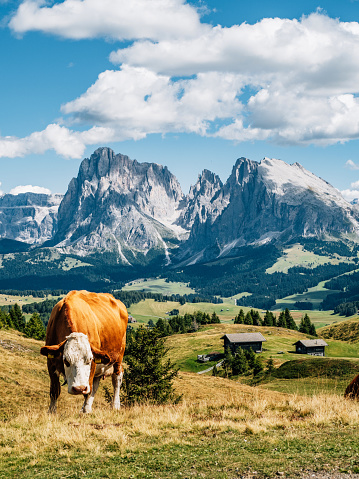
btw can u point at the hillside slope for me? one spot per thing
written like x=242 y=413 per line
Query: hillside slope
x=221 y=429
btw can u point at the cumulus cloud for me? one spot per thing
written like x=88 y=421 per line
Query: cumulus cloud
x=65 y=142
x=29 y=189
x=350 y=195
x=116 y=19
x=137 y=101
x=280 y=80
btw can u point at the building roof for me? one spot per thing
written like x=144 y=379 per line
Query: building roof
x=312 y=343
x=244 y=337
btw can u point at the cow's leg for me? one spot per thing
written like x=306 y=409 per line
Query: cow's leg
x=89 y=398
x=55 y=388
x=116 y=382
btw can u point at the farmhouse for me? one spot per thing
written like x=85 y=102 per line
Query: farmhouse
x=314 y=347
x=244 y=340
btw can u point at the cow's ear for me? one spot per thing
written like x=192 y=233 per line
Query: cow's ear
x=53 y=351
x=100 y=356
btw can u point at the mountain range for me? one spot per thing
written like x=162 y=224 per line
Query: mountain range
x=136 y=213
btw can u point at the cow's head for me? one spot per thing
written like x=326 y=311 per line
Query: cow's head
x=79 y=361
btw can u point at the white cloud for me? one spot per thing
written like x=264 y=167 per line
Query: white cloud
x=281 y=80
x=136 y=102
x=351 y=165
x=350 y=195
x=318 y=51
x=29 y=189
x=116 y=19
x=63 y=141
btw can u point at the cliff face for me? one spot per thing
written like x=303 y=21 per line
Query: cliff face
x=119 y=205
x=265 y=201
x=136 y=212
x=29 y=217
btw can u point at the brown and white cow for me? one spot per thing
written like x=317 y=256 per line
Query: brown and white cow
x=85 y=340
x=352 y=390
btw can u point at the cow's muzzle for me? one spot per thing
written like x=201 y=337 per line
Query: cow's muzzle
x=79 y=390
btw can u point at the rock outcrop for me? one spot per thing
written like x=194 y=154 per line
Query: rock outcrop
x=29 y=217
x=121 y=206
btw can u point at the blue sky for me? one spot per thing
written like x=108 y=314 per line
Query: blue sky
x=188 y=85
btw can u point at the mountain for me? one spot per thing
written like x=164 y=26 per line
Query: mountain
x=123 y=207
x=28 y=217
x=266 y=201
x=127 y=213
x=199 y=199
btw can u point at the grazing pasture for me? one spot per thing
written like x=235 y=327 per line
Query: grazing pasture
x=222 y=428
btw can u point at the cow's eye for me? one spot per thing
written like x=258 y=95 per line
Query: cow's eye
x=66 y=362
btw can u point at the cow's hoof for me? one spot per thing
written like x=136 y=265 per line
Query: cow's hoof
x=86 y=410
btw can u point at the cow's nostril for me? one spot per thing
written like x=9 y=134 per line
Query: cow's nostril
x=78 y=389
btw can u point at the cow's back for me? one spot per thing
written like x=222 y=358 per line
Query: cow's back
x=352 y=391
x=98 y=315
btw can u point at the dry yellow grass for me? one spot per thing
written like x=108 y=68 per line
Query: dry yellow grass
x=215 y=415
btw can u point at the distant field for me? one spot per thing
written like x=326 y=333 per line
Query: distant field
x=7 y=300
x=296 y=255
x=151 y=309
x=158 y=286
x=314 y=295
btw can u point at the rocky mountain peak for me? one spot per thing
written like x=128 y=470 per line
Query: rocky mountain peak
x=121 y=205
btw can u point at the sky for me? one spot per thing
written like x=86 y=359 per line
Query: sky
x=189 y=85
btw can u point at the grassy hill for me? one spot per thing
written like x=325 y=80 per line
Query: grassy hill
x=221 y=429
x=346 y=330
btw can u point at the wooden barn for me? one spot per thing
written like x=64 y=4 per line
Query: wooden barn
x=314 y=347
x=244 y=340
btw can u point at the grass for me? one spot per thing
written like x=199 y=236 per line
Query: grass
x=314 y=295
x=158 y=285
x=296 y=255
x=151 y=309
x=9 y=300
x=222 y=429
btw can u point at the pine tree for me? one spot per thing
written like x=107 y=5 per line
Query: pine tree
x=227 y=362
x=312 y=330
x=239 y=362
x=149 y=376
x=248 y=318
x=239 y=319
x=35 y=327
x=289 y=320
x=251 y=357
x=17 y=318
x=306 y=326
x=215 y=318
x=257 y=321
x=281 y=320
x=257 y=365
x=268 y=319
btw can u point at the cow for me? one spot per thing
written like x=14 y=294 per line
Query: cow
x=85 y=340
x=352 y=390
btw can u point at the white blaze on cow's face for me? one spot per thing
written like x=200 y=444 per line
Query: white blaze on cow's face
x=77 y=357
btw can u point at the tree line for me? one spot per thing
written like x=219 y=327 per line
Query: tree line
x=133 y=297
x=189 y=323
x=284 y=320
x=13 y=318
